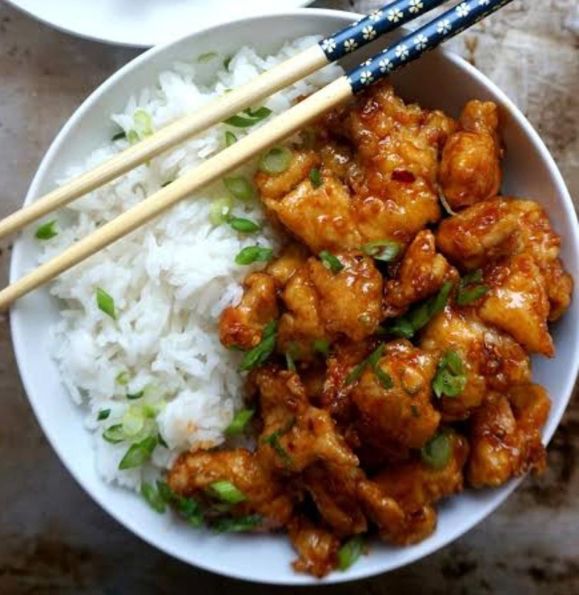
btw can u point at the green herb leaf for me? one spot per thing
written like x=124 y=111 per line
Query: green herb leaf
x=321 y=346
x=316 y=177
x=227 y=492
x=220 y=210
x=276 y=160
x=207 y=57
x=350 y=552
x=384 y=250
x=419 y=316
x=251 y=254
x=237 y=525
x=450 y=379
x=259 y=354
x=153 y=497
x=46 y=231
x=471 y=289
x=230 y=138
x=330 y=261
x=138 y=453
x=103 y=414
x=106 y=303
x=239 y=187
x=114 y=434
x=122 y=378
x=437 y=452
x=239 y=422
x=243 y=225
x=250 y=118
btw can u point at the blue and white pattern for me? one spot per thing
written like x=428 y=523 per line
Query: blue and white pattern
x=378 y=22
x=411 y=47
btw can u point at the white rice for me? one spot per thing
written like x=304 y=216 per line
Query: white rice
x=169 y=280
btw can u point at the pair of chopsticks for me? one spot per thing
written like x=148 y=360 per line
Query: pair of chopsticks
x=330 y=49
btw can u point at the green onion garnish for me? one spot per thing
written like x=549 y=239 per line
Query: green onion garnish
x=249 y=118
x=259 y=354
x=122 y=378
x=251 y=254
x=207 y=57
x=316 y=177
x=240 y=187
x=142 y=126
x=437 y=452
x=135 y=396
x=226 y=492
x=470 y=288
x=350 y=552
x=220 y=210
x=276 y=160
x=274 y=441
x=153 y=498
x=290 y=363
x=188 y=508
x=237 y=525
x=450 y=379
x=384 y=250
x=138 y=453
x=227 y=62
x=373 y=361
x=106 y=303
x=230 y=138
x=46 y=231
x=330 y=261
x=114 y=434
x=103 y=414
x=419 y=316
x=321 y=346
x=119 y=136
x=243 y=225
x=239 y=422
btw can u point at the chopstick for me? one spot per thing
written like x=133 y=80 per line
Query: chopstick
x=328 y=50
x=409 y=48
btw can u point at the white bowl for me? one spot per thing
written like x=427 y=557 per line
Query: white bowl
x=440 y=79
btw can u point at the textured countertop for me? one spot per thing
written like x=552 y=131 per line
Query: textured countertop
x=54 y=539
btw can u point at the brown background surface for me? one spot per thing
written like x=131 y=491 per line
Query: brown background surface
x=54 y=539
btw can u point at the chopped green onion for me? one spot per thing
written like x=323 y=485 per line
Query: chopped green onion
x=114 y=434
x=230 y=138
x=355 y=374
x=153 y=497
x=321 y=346
x=383 y=377
x=250 y=118
x=226 y=492
x=133 y=420
x=259 y=354
x=103 y=414
x=273 y=440
x=470 y=288
x=276 y=160
x=138 y=453
x=291 y=365
x=437 y=452
x=239 y=422
x=161 y=441
x=251 y=254
x=237 y=525
x=220 y=210
x=384 y=250
x=316 y=177
x=239 y=187
x=46 y=231
x=372 y=360
x=207 y=57
x=119 y=136
x=330 y=261
x=106 y=303
x=165 y=184
x=188 y=508
x=122 y=378
x=450 y=379
x=227 y=62
x=165 y=492
x=135 y=396
x=350 y=552
x=376 y=355
x=142 y=126
x=418 y=317
x=243 y=225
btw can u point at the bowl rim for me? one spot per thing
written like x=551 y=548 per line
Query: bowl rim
x=355 y=573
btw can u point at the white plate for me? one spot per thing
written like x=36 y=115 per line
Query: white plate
x=144 y=23
x=440 y=79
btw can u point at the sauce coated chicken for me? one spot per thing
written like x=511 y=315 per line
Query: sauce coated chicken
x=387 y=346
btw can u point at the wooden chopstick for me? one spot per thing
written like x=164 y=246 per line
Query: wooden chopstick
x=281 y=76
x=394 y=57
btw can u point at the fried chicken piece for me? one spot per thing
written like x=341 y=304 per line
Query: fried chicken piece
x=242 y=325
x=470 y=169
x=421 y=274
x=505 y=436
x=295 y=434
x=402 y=413
x=317 y=547
x=518 y=303
x=193 y=473
x=283 y=268
x=322 y=305
x=491 y=358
